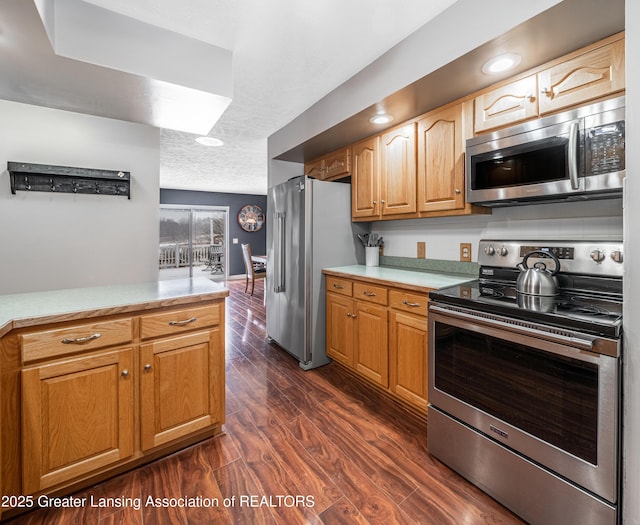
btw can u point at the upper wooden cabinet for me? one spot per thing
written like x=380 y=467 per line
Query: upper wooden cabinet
x=592 y=75
x=365 y=179
x=508 y=104
x=594 y=72
x=336 y=165
x=441 y=160
x=398 y=170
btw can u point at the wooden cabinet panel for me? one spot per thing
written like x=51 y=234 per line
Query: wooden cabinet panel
x=441 y=161
x=408 y=358
x=178 y=389
x=371 y=342
x=595 y=74
x=337 y=165
x=178 y=321
x=314 y=169
x=340 y=286
x=410 y=302
x=398 y=170
x=365 y=179
x=339 y=328
x=48 y=344
x=370 y=292
x=77 y=416
x=510 y=104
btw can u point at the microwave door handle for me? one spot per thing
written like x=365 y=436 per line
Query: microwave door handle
x=573 y=156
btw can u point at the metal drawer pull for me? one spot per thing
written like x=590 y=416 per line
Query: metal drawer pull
x=338 y=286
x=80 y=340
x=369 y=294
x=125 y=373
x=147 y=367
x=413 y=305
x=182 y=323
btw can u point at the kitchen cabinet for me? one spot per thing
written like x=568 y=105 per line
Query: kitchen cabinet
x=365 y=179
x=89 y=393
x=441 y=160
x=506 y=105
x=591 y=73
x=588 y=76
x=334 y=166
x=398 y=170
x=77 y=417
x=380 y=334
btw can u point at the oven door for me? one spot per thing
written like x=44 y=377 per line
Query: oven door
x=552 y=401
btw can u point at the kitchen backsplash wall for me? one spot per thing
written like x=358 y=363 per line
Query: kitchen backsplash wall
x=52 y=240
x=596 y=220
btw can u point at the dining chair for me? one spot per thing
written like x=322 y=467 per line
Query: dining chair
x=252 y=273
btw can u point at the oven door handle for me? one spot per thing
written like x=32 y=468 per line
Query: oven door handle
x=583 y=342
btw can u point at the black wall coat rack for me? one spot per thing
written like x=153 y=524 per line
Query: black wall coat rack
x=64 y=179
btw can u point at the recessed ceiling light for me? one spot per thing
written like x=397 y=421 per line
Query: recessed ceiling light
x=381 y=118
x=501 y=63
x=209 y=141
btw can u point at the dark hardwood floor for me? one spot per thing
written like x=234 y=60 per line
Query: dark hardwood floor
x=299 y=447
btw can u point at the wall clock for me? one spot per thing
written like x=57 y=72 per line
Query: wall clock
x=251 y=218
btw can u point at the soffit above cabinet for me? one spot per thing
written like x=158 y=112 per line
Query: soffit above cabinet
x=568 y=26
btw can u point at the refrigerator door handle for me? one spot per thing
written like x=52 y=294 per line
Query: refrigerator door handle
x=279 y=274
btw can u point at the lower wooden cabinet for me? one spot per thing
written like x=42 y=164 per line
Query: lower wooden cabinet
x=77 y=417
x=88 y=399
x=380 y=333
x=180 y=387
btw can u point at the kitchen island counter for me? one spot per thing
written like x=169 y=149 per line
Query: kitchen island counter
x=416 y=280
x=37 y=308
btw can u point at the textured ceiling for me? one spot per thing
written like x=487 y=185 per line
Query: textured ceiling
x=287 y=54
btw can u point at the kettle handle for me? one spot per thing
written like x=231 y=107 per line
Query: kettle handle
x=523 y=264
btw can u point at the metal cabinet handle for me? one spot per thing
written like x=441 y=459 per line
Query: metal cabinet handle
x=80 y=340
x=413 y=305
x=458 y=191
x=125 y=373
x=369 y=294
x=147 y=367
x=182 y=323
x=338 y=286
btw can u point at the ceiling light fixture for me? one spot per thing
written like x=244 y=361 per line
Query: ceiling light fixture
x=501 y=63
x=209 y=141
x=381 y=118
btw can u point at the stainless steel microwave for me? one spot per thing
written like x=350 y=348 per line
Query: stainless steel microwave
x=575 y=155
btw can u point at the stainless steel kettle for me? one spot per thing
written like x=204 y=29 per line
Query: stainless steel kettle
x=538 y=280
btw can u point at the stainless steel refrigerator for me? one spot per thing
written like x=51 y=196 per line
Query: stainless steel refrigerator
x=308 y=228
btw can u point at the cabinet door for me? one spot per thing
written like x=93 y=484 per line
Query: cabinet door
x=408 y=358
x=181 y=386
x=314 y=169
x=339 y=329
x=365 y=179
x=398 y=170
x=371 y=342
x=441 y=161
x=337 y=165
x=589 y=76
x=506 y=105
x=77 y=417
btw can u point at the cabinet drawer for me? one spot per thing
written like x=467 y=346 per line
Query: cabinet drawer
x=370 y=292
x=409 y=302
x=341 y=286
x=62 y=341
x=178 y=321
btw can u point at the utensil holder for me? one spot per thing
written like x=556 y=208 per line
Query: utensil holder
x=372 y=254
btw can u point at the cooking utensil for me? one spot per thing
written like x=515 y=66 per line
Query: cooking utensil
x=538 y=280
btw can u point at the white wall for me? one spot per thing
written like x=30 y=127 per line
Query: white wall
x=52 y=241
x=593 y=220
x=631 y=312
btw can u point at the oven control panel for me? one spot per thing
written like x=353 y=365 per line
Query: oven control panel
x=579 y=257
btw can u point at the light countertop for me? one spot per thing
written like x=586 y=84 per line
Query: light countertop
x=408 y=278
x=30 y=309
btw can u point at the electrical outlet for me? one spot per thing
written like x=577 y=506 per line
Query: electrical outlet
x=465 y=251
x=422 y=250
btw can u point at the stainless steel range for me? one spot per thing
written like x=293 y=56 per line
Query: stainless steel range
x=524 y=388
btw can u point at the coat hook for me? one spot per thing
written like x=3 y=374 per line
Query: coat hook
x=53 y=185
x=27 y=186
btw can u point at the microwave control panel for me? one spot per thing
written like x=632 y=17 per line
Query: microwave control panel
x=605 y=148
